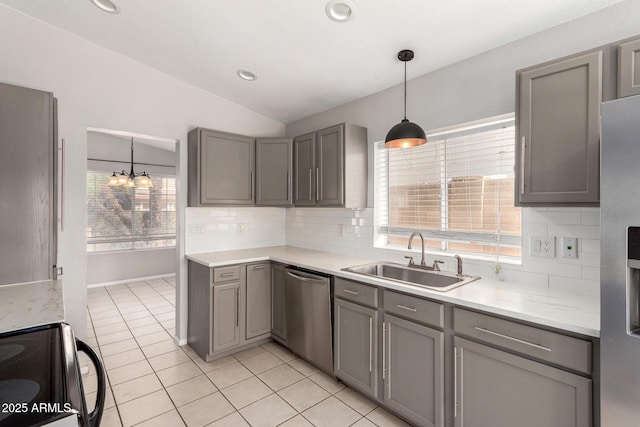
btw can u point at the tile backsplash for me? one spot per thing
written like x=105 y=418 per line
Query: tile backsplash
x=223 y=229
x=352 y=232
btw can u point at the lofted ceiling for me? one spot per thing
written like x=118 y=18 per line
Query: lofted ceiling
x=305 y=62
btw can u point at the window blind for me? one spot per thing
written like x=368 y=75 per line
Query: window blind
x=121 y=218
x=457 y=190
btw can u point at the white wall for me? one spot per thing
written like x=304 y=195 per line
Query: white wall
x=96 y=87
x=473 y=89
x=117 y=267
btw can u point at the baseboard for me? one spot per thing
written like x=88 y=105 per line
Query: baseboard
x=137 y=279
x=179 y=342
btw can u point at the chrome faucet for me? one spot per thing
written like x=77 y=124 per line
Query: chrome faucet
x=422 y=263
x=459 y=259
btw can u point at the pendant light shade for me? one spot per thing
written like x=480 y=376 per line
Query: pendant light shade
x=405 y=134
x=132 y=179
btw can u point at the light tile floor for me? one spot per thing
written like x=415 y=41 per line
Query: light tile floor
x=153 y=382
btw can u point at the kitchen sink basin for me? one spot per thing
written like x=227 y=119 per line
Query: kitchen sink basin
x=437 y=280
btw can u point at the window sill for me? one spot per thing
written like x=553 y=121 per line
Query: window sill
x=128 y=251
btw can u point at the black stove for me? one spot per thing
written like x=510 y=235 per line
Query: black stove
x=40 y=380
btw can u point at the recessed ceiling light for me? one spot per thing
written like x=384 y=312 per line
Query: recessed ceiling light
x=246 y=75
x=107 y=6
x=339 y=11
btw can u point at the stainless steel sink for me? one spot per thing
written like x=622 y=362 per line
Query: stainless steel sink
x=437 y=280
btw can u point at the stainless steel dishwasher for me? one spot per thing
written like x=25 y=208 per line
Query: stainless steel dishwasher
x=308 y=302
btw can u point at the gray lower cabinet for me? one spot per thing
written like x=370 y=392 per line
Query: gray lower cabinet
x=274 y=170
x=413 y=371
x=221 y=168
x=330 y=167
x=225 y=330
x=629 y=68
x=558 y=132
x=258 y=300
x=356 y=345
x=498 y=389
x=278 y=308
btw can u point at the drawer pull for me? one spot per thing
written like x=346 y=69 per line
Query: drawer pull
x=349 y=291
x=260 y=267
x=227 y=274
x=406 y=307
x=497 y=334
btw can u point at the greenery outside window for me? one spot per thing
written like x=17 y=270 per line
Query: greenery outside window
x=121 y=218
x=457 y=190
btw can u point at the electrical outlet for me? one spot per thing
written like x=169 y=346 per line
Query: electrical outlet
x=240 y=228
x=341 y=232
x=569 y=247
x=196 y=229
x=544 y=246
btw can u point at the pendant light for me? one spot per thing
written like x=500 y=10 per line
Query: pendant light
x=122 y=179
x=405 y=134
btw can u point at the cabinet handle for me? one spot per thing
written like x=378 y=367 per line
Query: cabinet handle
x=370 y=344
x=349 y=291
x=389 y=373
x=518 y=340
x=288 y=185
x=62 y=163
x=237 y=307
x=259 y=267
x=310 y=190
x=384 y=353
x=251 y=184
x=406 y=307
x=523 y=148
x=227 y=274
x=318 y=184
x=455 y=382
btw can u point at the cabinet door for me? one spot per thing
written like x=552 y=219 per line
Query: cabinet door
x=225 y=316
x=226 y=169
x=355 y=345
x=258 y=300
x=27 y=189
x=629 y=68
x=274 y=165
x=278 y=313
x=413 y=371
x=498 y=389
x=558 y=138
x=330 y=166
x=305 y=170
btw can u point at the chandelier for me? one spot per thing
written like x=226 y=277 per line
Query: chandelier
x=131 y=179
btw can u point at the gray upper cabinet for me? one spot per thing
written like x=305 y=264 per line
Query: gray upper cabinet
x=356 y=345
x=304 y=152
x=258 y=308
x=629 y=68
x=221 y=168
x=498 y=389
x=28 y=143
x=274 y=171
x=278 y=313
x=558 y=131
x=413 y=371
x=331 y=167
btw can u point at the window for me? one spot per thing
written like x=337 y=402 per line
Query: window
x=123 y=218
x=457 y=190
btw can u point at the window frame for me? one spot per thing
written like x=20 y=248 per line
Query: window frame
x=382 y=214
x=132 y=240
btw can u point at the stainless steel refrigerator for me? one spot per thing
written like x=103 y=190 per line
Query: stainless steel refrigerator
x=28 y=187
x=620 y=263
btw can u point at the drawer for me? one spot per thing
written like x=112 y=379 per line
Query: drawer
x=414 y=308
x=356 y=292
x=572 y=353
x=226 y=274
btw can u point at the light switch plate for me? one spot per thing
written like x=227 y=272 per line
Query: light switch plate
x=569 y=247
x=543 y=246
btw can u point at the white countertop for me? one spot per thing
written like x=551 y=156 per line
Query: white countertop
x=538 y=304
x=24 y=305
